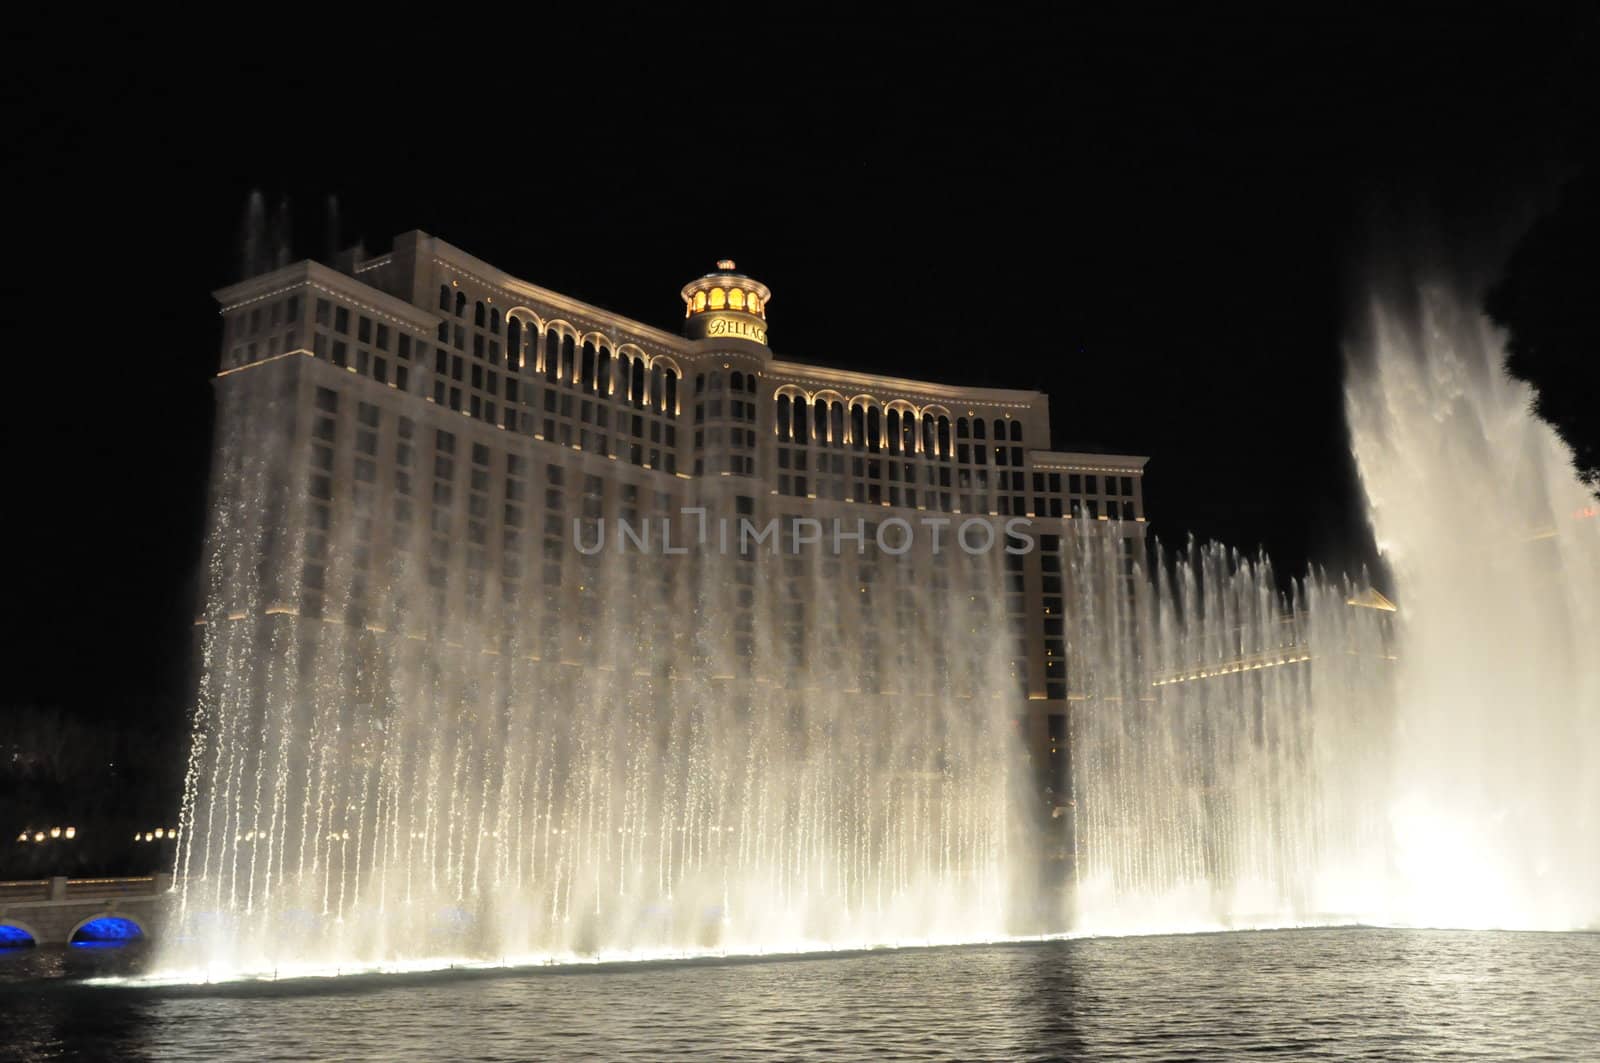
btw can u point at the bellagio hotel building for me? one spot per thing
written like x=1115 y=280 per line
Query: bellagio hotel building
x=437 y=400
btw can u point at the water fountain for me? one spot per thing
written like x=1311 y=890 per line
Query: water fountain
x=420 y=784
x=427 y=784
x=1495 y=795
x=1244 y=759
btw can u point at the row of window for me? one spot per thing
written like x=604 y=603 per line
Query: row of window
x=725 y=299
x=899 y=432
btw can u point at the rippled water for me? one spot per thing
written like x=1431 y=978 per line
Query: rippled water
x=1304 y=994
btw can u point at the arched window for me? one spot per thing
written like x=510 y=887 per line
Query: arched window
x=494 y=320
x=736 y=299
x=999 y=429
x=802 y=421
x=930 y=434
x=657 y=399
x=636 y=385
x=836 y=424
x=754 y=303
x=514 y=343
x=699 y=383
x=602 y=372
x=718 y=300
x=716 y=382
x=892 y=421
x=480 y=315
x=977 y=428
x=819 y=421
x=908 y=434
x=1016 y=431
x=785 y=411
x=552 y=355
x=961 y=428
x=874 y=429
x=444 y=297
x=569 y=355
x=699 y=301
x=587 y=376
x=858 y=427
x=461 y=304
x=672 y=393
x=944 y=438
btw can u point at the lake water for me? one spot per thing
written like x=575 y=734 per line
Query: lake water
x=1338 y=994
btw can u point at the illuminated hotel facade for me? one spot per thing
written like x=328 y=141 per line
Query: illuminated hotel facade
x=445 y=413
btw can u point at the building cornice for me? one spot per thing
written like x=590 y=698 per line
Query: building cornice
x=514 y=289
x=888 y=387
x=1068 y=461
x=314 y=275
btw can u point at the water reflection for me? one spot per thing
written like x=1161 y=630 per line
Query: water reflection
x=1331 y=994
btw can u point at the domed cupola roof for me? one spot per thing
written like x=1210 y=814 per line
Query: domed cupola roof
x=726 y=304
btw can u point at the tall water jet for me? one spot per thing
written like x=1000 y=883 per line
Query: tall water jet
x=253 y=250
x=1246 y=757
x=1495 y=550
x=1228 y=750
x=404 y=755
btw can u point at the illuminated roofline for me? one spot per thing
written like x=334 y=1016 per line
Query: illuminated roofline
x=1075 y=461
x=477 y=270
x=309 y=274
x=852 y=383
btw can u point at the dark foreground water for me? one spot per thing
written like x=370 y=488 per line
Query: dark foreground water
x=1309 y=994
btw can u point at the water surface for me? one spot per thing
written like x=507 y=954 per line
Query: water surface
x=1343 y=994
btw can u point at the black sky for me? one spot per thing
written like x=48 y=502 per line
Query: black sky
x=1162 y=225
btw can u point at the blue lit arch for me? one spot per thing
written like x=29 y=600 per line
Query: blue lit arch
x=106 y=930
x=14 y=935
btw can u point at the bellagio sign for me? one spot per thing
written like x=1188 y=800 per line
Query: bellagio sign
x=731 y=327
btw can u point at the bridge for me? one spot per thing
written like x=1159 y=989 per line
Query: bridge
x=82 y=911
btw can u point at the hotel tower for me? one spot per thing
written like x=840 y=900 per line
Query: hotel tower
x=495 y=437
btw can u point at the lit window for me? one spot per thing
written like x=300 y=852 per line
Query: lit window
x=719 y=299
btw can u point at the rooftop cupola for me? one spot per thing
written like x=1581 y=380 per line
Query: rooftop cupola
x=726 y=305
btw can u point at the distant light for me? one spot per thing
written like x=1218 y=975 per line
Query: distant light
x=55 y=832
x=72 y=832
x=724 y=263
x=39 y=837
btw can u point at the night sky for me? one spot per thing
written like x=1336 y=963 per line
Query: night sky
x=1163 y=226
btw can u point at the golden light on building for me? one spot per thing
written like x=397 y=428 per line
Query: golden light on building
x=726 y=305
